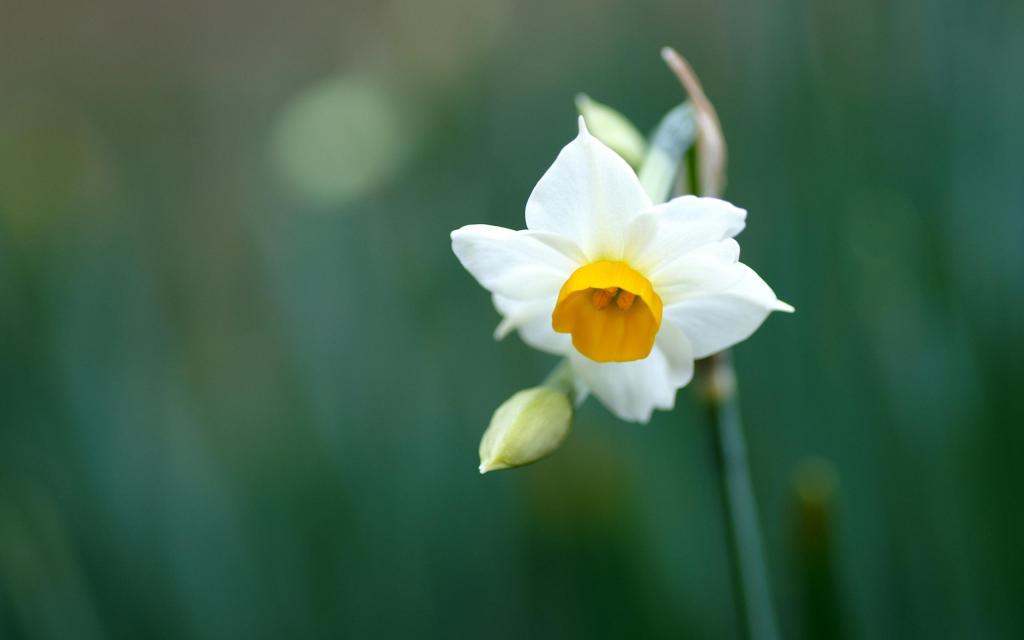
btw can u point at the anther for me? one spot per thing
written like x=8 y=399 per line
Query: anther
x=603 y=296
x=625 y=300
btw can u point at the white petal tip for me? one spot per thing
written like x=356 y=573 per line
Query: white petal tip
x=583 y=127
x=491 y=466
x=504 y=328
x=782 y=306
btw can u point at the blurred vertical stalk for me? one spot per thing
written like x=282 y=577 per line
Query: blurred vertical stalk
x=702 y=172
x=751 y=589
x=814 y=486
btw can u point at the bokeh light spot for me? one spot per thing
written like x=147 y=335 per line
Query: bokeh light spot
x=340 y=139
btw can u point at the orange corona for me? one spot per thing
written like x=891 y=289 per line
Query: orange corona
x=602 y=331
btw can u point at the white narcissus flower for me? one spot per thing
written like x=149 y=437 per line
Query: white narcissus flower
x=631 y=292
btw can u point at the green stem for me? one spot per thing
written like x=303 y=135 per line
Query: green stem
x=561 y=378
x=756 y=612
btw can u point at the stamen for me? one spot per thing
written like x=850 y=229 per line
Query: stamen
x=625 y=299
x=604 y=296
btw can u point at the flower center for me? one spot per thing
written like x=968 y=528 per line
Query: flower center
x=611 y=311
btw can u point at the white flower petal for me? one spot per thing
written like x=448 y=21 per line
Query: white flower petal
x=632 y=390
x=588 y=195
x=522 y=265
x=672 y=342
x=710 y=268
x=716 y=321
x=532 y=318
x=670 y=230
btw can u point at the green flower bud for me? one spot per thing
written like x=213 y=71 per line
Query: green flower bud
x=612 y=128
x=530 y=425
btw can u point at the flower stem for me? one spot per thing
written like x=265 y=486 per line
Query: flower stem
x=756 y=613
x=561 y=378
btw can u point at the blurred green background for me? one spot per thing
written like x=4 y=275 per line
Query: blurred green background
x=243 y=378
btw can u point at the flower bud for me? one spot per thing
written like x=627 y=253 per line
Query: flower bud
x=613 y=129
x=530 y=425
x=666 y=153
